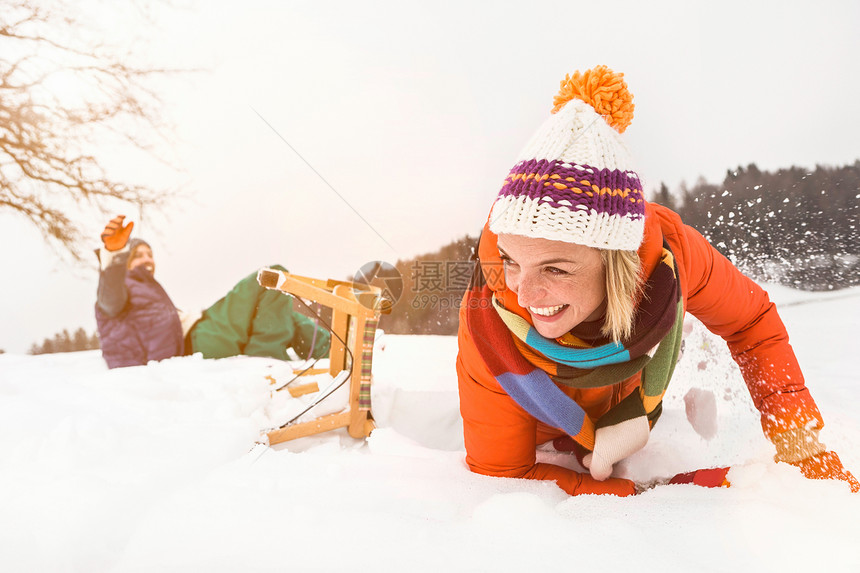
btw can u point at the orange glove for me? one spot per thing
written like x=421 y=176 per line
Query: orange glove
x=115 y=236
x=587 y=484
x=612 y=486
x=827 y=465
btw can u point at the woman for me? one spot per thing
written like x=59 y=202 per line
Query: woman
x=572 y=326
x=137 y=321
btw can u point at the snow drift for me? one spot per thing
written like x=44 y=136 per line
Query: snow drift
x=155 y=468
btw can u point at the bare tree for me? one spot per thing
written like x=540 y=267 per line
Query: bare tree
x=65 y=92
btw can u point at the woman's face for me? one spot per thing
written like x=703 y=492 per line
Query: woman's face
x=560 y=284
x=142 y=257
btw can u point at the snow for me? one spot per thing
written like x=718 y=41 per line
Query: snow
x=155 y=468
x=701 y=409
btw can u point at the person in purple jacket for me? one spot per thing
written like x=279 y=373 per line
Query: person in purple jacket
x=138 y=322
x=136 y=319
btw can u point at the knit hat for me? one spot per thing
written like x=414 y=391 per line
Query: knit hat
x=573 y=181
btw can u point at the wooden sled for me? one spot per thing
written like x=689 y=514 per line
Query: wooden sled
x=355 y=314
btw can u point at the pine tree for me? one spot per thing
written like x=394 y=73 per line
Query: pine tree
x=433 y=286
x=665 y=198
x=63 y=342
x=795 y=226
x=80 y=341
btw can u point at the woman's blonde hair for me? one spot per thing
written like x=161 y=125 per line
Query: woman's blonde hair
x=623 y=290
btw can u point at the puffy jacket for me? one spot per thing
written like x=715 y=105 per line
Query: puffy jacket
x=501 y=436
x=256 y=321
x=136 y=319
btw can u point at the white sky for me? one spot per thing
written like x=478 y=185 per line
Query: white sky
x=414 y=112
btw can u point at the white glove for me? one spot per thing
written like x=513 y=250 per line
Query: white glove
x=614 y=443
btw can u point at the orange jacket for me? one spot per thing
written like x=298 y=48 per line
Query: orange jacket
x=501 y=436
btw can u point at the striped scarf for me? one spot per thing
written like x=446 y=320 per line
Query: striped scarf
x=652 y=350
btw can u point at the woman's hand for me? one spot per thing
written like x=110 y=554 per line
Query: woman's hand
x=827 y=465
x=612 y=486
x=614 y=443
x=621 y=432
x=801 y=447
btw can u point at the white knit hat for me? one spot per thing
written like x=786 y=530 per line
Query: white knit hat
x=573 y=181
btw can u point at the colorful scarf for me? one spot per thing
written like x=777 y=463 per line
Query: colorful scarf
x=652 y=349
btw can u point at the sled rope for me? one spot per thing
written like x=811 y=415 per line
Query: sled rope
x=308 y=368
x=330 y=390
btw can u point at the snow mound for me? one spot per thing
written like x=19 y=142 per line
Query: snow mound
x=157 y=468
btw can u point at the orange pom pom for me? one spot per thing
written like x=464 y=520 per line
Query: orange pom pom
x=604 y=90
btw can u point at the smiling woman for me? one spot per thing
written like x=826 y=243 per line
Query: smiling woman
x=560 y=284
x=601 y=284
x=577 y=341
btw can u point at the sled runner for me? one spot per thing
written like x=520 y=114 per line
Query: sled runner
x=355 y=314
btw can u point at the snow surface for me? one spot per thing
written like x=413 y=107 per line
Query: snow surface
x=155 y=468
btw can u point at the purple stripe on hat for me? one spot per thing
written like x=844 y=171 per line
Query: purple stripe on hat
x=618 y=192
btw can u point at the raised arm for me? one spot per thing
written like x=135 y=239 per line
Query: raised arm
x=112 y=295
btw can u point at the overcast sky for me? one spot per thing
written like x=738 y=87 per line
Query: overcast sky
x=393 y=125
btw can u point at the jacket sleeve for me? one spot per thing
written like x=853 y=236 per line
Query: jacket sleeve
x=310 y=341
x=500 y=435
x=112 y=294
x=735 y=308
